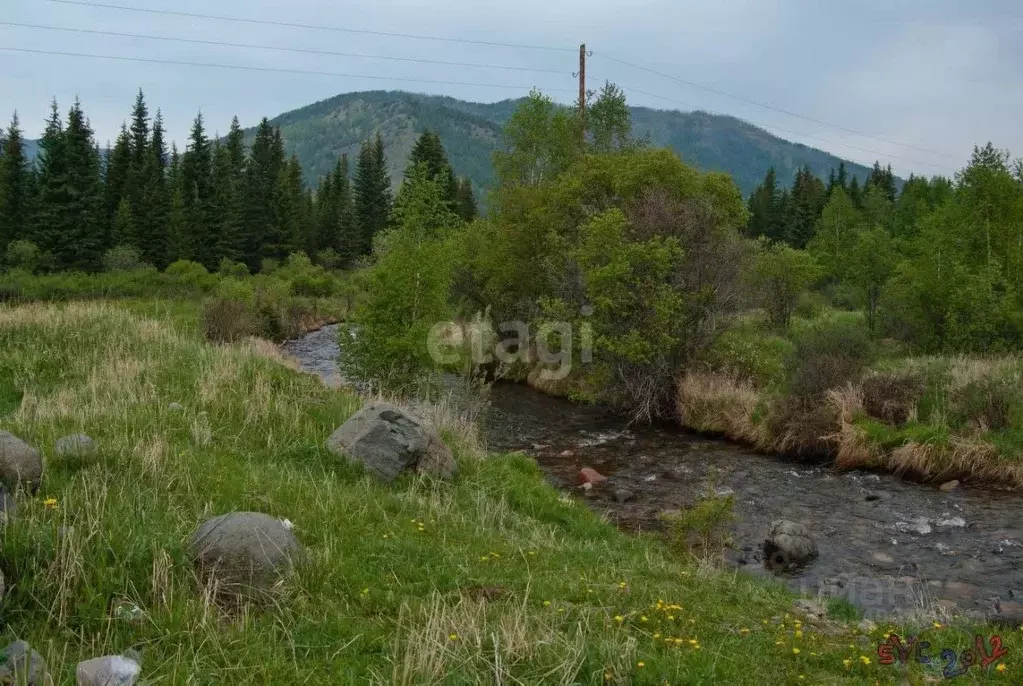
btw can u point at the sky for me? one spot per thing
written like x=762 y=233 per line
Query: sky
x=913 y=83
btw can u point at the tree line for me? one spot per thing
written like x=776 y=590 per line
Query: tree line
x=75 y=206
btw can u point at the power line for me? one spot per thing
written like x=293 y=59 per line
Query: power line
x=275 y=69
x=750 y=101
x=801 y=134
x=274 y=47
x=268 y=22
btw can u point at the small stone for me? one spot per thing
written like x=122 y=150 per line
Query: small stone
x=176 y=407
x=871 y=497
x=866 y=626
x=587 y=475
x=566 y=453
x=883 y=558
x=587 y=486
x=723 y=492
x=624 y=495
x=19 y=664
x=539 y=446
x=111 y=670
x=789 y=544
x=77 y=446
x=949 y=486
x=19 y=463
x=810 y=608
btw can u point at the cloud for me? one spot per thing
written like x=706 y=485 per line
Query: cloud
x=938 y=74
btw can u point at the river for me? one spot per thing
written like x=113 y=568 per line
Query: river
x=888 y=546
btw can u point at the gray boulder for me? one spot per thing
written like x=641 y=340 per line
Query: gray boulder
x=244 y=550
x=75 y=446
x=19 y=664
x=111 y=670
x=19 y=462
x=789 y=544
x=388 y=440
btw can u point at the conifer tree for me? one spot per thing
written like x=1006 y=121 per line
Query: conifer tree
x=261 y=174
x=228 y=186
x=429 y=151
x=289 y=222
x=196 y=191
x=177 y=248
x=118 y=171
x=123 y=230
x=16 y=187
x=763 y=207
x=153 y=210
x=70 y=227
x=466 y=201
x=372 y=193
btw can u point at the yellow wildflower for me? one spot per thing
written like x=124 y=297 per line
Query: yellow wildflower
x=641 y=665
x=847 y=662
x=864 y=659
x=795 y=651
x=453 y=637
x=799 y=633
x=1001 y=667
x=619 y=619
x=546 y=603
x=50 y=503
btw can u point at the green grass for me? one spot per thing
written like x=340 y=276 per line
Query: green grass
x=494 y=577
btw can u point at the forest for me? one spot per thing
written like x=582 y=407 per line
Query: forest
x=79 y=208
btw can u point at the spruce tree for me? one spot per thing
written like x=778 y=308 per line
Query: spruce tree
x=196 y=191
x=16 y=187
x=152 y=213
x=289 y=222
x=333 y=206
x=177 y=222
x=71 y=229
x=429 y=151
x=763 y=207
x=466 y=207
x=372 y=194
x=123 y=230
x=228 y=186
x=266 y=159
x=118 y=172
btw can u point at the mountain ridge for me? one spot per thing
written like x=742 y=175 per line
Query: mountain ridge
x=471 y=131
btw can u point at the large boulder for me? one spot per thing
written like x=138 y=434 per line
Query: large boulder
x=19 y=664
x=19 y=463
x=788 y=544
x=75 y=447
x=388 y=440
x=244 y=551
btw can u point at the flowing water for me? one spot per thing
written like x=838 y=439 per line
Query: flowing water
x=886 y=545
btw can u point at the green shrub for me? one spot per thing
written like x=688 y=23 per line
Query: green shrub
x=810 y=305
x=190 y=275
x=756 y=357
x=827 y=357
x=781 y=274
x=24 y=255
x=224 y=320
x=123 y=258
x=892 y=397
x=988 y=402
x=705 y=526
x=306 y=278
x=237 y=270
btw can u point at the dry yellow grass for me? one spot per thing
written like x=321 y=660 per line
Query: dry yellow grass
x=718 y=403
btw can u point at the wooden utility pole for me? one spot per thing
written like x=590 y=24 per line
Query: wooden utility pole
x=582 y=87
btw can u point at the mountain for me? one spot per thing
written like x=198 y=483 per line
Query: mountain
x=471 y=132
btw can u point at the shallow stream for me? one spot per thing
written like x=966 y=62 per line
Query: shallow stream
x=887 y=545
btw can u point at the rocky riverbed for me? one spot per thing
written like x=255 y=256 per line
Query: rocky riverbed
x=889 y=546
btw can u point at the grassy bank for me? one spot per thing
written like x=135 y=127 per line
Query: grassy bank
x=493 y=578
x=927 y=418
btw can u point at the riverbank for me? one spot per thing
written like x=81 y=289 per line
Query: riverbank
x=492 y=577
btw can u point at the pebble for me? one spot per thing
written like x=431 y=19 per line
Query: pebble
x=110 y=670
x=949 y=486
x=624 y=495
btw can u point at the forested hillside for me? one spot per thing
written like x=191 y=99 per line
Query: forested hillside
x=319 y=133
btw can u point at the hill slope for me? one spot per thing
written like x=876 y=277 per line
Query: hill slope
x=472 y=131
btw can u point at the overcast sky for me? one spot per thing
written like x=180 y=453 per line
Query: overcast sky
x=925 y=80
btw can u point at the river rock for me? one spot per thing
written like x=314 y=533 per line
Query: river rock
x=624 y=495
x=244 y=550
x=810 y=608
x=949 y=486
x=388 y=440
x=111 y=670
x=19 y=664
x=19 y=462
x=566 y=453
x=77 y=446
x=789 y=543
x=588 y=475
